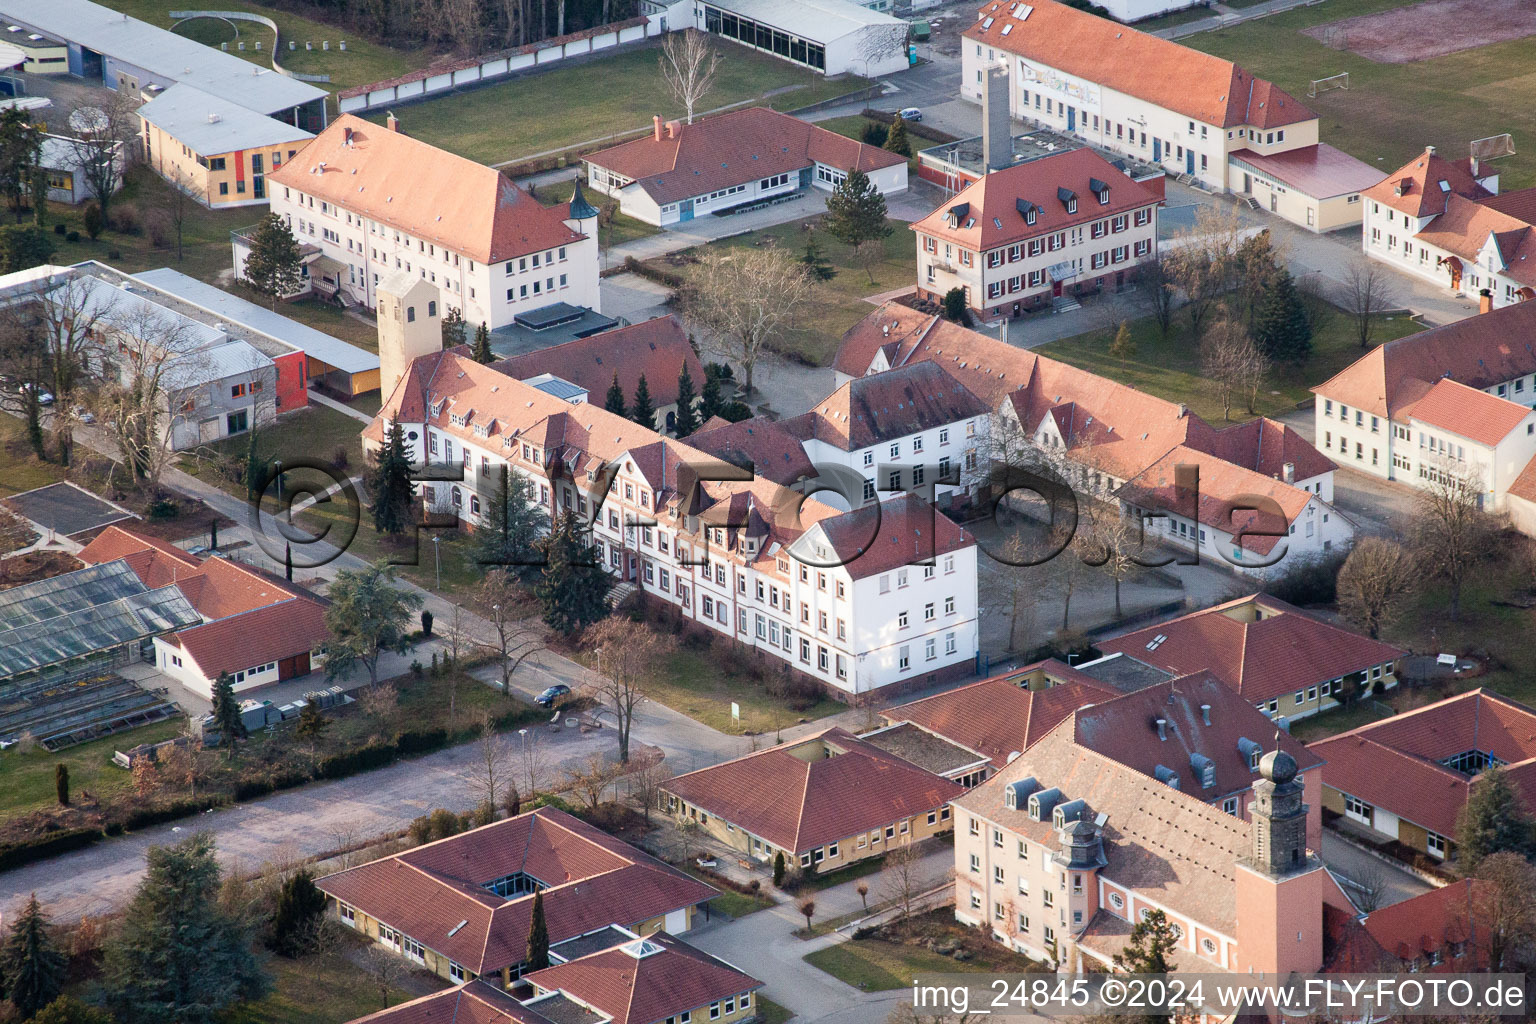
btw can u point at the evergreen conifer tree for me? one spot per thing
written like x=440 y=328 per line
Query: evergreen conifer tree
x=573 y=589
x=816 y=263
x=273 y=266
x=642 y=410
x=483 y=353
x=390 y=484
x=226 y=714
x=896 y=138
x=454 y=328
x=1493 y=820
x=538 y=936
x=709 y=398
x=687 y=416
x=300 y=907
x=1281 y=326
x=31 y=966
x=511 y=525
x=614 y=403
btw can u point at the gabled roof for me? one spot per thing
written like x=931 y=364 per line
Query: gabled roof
x=478 y=1002
x=1435 y=922
x=645 y=981
x=246 y=639
x=1467 y=226
x=772 y=451
x=1125 y=728
x=116 y=542
x=1166 y=844
x=1258 y=645
x=731 y=148
x=1466 y=412
x=436 y=893
x=1423 y=186
x=1175 y=77
x=902 y=401
x=892 y=328
x=1000 y=716
x=1480 y=351
x=994 y=204
x=900 y=531
x=434 y=195
x=1395 y=763
x=823 y=789
x=657 y=349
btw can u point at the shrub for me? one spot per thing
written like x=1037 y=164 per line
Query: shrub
x=875 y=134
x=365 y=758
x=73 y=236
x=144 y=817
x=114 y=254
x=59 y=228
x=159 y=230
x=484 y=814
x=796 y=690
x=125 y=219
x=420 y=830
x=163 y=508
x=735 y=412
x=339 y=457
x=421 y=741
x=93 y=220
x=1307 y=579
x=426 y=622
x=444 y=823
x=26 y=851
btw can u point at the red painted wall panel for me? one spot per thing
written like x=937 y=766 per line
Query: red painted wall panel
x=292 y=382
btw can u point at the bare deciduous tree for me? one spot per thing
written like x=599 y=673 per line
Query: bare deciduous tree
x=591 y=779
x=387 y=967
x=1232 y=362
x=1203 y=262
x=1373 y=583
x=689 y=61
x=494 y=764
x=1505 y=909
x=1112 y=544
x=102 y=142
x=877 y=45
x=145 y=367
x=177 y=207
x=1451 y=531
x=1369 y=888
x=512 y=641
x=649 y=772
x=900 y=879
x=1160 y=291
x=64 y=321
x=744 y=299
x=456 y=637
x=1369 y=291
x=628 y=653
x=381 y=704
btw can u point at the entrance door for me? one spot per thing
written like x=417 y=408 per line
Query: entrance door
x=292 y=668
x=1274 y=202
x=1056 y=288
x=1157 y=150
x=1189 y=161
x=685 y=210
x=1247 y=182
x=1071 y=119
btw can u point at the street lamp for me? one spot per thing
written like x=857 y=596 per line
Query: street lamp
x=279 y=464
x=437 y=555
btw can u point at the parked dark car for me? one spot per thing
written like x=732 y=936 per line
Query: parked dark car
x=548 y=697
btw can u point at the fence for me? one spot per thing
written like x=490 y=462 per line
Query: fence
x=277 y=40
x=493 y=66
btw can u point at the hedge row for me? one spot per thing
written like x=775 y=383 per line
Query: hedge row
x=917 y=128
x=15 y=855
x=665 y=277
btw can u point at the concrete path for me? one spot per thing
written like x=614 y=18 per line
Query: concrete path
x=341 y=407
x=1225 y=16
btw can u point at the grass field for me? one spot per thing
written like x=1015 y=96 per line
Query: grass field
x=835 y=305
x=1170 y=368
x=327 y=989
x=363 y=61
x=26 y=780
x=316 y=432
x=561 y=108
x=875 y=965
x=696 y=684
x=1392 y=111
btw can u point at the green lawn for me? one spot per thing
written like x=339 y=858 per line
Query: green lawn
x=362 y=63
x=316 y=432
x=26 y=780
x=770 y=1012
x=1183 y=17
x=876 y=965
x=1170 y=367
x=835 y=305
x=1392 y=111
x=22 y=470
x=1329 y=723
x=701 y=687
x=316 y=990
x=622 y=228
x=560 y=108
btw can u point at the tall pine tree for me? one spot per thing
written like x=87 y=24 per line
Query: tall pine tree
x=31 y=966
x=390 y=483
x=300 y=908
x=1494 y=819
x=856 y=214
x=226 y=713
x=482 y=353
x=273 y=266
x=178 y=955
x=1280 y=325
x=511 y=525
x=687 y=416
x=896 y=138
x=642 y=410
x=454 y=327
x=573 y=589
x=614 y=403
x=538 y=935
x=709 y=398
x=1150 y=950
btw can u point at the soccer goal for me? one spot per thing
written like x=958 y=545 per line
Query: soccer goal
x=1493 y=147
x=1320 y=85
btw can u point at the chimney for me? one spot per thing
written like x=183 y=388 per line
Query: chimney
x=674 y=128
x=1183 y=410
x=1288 y=472
x=1473 y=165
x=1429 y=150
x=996 y=138
x=656 y=126
x=347 y=137
x=1485 y=301
x=390 y=121
x=1205 y=713
x=1162 y=729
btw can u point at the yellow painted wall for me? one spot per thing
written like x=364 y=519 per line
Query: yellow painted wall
x=169 y=157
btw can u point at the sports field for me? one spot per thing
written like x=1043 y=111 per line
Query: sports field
x=1393 y=110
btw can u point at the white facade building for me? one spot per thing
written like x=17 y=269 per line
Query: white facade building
x=373 y=201
x=834 y=37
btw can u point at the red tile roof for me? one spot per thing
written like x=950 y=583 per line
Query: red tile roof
x=1000 y=716
x=1175 y=77
x=893 y=327
x=731 y=148
x=1416 y=187
x=1525 y=484
x=1320 y=171
x=1480 y=351
x=797 y=799
x=116 y=542
x=899 y=531
x=1466 y=412
x=1438 y=922
x=645 y=981
x=1283 y=651
x=765 y=445
x=432 y=194
x=246 y=639
x=905 y=400
x=1466 y=226
x=1394 y=763
x=593 y=880
x=657 y=349
x=478 y=1002
x=986 y=214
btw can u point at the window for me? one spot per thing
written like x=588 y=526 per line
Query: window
x=904 y=658
x=1435 y=845
x=1229 y=805
x=1358 y=809
x=976 y=863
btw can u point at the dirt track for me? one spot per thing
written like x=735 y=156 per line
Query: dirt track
x=1430 y=29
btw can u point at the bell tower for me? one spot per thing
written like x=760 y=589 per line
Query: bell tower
x=410 y=325
x=1280 y=885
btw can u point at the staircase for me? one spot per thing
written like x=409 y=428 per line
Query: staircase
x=1065 y=304
x=1251 y=203
x=1185 y=179
x=620 y=593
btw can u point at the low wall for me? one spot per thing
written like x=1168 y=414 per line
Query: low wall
x=277 y=37
x=493 y=66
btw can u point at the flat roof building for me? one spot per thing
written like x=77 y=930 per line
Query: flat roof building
x=831 y=36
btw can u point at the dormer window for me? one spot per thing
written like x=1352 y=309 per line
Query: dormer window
x=1100 y=189
x=1068 y=199
x=1027 y=209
